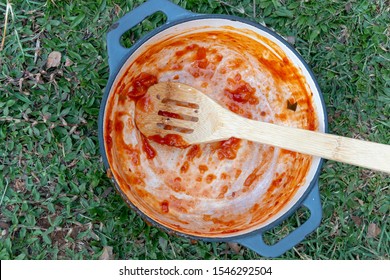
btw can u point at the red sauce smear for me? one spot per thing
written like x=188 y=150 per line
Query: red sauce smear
x=133 y=154
x=184 y=168
x=141 y=84
x=224 y=176
x=119 y=126
x=200 y=57
x=147 y=148
x=241 y=92
x=250 y=179
x=186 y=50
x=203 y=168
x=145 y=104
x=228 y=149
x=223 y=191
x=165 y=206
x=210 y=178
x=194 y=151
x=173 y=140
x=170 y=115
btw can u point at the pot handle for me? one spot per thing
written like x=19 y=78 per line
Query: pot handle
x=257 y=244
x=116 y=52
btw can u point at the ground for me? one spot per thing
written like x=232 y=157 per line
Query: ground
x=56 y=201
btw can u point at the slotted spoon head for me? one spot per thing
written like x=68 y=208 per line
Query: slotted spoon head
x=179 y=115
x=177 y=112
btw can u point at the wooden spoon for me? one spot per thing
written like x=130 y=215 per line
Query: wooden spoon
x=178 y=113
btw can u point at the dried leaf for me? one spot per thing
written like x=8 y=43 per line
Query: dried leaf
x=292 y=105
x=4 y=225
x=291 y=39
x=335 y=229
x=95 y=236
x=107 y=253
x=193 y=242
x=361 y=203
x=344 y=34
x=54 y=59
x=234 y=246
x=19 y=186
x=163 y=243
x=357 y=220
x=68 y=62
x=373 y=230
x=348 y=7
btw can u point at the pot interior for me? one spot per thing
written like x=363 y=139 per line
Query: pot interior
x=221 y=189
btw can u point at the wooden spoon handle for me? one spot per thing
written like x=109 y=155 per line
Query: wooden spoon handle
x=356 y=152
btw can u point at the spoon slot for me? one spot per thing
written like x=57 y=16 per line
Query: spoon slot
x=177 y=116
x=175 y=128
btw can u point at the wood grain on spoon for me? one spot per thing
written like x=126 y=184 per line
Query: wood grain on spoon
x=181 y=115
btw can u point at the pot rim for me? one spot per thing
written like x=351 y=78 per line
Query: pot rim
x=112 y=77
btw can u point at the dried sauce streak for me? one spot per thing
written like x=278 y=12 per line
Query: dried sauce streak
x=200 y=58
x=147 y=148
x=194 y=151
x=165 y=206
x=170 y=115
x=108 y=138
x=119 y=126
x=228 y=149
x=141 y=84
x=145 y=103
x=250 y=179
x=186 y=50
x=241 y=92
x=224 y=190
x=224 y=176
x=184 y=168
x=133 y=154
x=210 y=178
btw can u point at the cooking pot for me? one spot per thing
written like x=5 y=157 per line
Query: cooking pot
x=230 y=191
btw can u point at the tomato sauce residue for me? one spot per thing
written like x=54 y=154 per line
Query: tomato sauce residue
x=186 y=50
x=119 y=126
x=165 y=206
x=203 y=168
x=173 y=140
x=250 y=179
x=176 y=186
x=147 y=148
x=224 y=190
x=240 y=91
x=133 y=154
x=184 y=168
x=170 y=115
x=145 y=104
x=200 y=58
x=224 y=176
x=194 y=151
x=228 y=149
x=210 y=178
x=141 y=84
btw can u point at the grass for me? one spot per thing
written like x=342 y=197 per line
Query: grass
x=55 y=199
